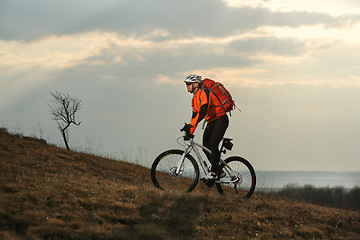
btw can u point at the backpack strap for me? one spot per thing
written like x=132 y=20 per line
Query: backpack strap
x=222 y=104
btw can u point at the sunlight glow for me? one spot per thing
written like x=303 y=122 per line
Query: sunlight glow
x=99 y=48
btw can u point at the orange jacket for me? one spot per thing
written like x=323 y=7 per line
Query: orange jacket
x=204 y=105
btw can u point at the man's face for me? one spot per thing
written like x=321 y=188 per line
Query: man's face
x=191 y=87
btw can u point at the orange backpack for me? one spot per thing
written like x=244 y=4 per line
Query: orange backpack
x=221 y=93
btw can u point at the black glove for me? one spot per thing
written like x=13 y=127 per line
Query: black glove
x=186 y=128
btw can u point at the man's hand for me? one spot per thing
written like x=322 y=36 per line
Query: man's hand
x=186 y=128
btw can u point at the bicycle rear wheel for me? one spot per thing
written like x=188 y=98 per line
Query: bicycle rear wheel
x=241 y=180
x=163 y=172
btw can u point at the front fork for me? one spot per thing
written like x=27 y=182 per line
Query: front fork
x=186 y=151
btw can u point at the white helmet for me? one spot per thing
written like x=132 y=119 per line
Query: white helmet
x=193 y=78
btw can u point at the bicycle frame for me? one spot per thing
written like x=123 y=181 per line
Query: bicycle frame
x=192 y=145
x=180 y=170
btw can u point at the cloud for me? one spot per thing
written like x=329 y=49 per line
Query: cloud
x=274 y=52
x=332 y=7
x=69 y=50
x=247 y=46
x=180 y=18
x=278 y=46
x=54 y=52
x=161 y=79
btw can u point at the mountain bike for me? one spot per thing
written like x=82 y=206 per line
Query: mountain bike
x=177 y=170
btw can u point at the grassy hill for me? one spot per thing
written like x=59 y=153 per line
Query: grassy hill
x=52 y=193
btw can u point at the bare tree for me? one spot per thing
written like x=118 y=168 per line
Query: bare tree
x=63 y=111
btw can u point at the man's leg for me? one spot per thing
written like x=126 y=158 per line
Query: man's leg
x=206 y=140
x=213 y=135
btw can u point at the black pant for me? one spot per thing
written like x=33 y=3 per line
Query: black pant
x=213 y=134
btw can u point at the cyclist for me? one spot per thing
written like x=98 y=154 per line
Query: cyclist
x=205 y=105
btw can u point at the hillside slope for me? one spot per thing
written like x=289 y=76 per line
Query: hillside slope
x=51 y=193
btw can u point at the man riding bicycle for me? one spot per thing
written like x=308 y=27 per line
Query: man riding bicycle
x=206 y=105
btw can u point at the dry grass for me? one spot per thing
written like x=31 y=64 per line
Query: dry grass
x=51 y=193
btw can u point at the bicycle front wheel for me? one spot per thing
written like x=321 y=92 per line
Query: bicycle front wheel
x=165 y=177
x=240 y=178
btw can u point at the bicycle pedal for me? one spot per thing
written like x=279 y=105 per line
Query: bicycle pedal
x=209 y=183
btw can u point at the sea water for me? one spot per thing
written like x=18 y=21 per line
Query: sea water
x=275 y=180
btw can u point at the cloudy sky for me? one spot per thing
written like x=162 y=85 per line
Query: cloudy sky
x=293 y=67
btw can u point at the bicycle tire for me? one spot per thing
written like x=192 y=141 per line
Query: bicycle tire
x=245 y=187
x=164 y=166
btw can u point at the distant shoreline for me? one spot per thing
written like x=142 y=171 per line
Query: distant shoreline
x=278 y=179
